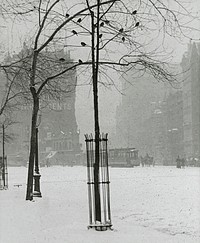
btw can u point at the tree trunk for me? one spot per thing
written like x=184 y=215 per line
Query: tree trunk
x=96 y=164
x=29 y=193
x=96 y=126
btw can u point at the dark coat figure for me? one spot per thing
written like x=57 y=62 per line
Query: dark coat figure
x=178 y=162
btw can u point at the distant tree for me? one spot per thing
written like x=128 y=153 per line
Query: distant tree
x=116 y=34
x=10 y=101
x=6 y=122
x=51 y=65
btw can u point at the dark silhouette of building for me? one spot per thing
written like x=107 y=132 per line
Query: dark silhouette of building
x=161 y=120
x=173 y=116
x=58 y=130
x=138 y=112
x=191 y=100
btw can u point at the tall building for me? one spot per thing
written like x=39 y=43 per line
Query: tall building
x=191 y=100
x=159 y=120
x=150 y=118
x=173 y=116
x=136 y=111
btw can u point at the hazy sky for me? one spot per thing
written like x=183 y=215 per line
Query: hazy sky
x=12 y=38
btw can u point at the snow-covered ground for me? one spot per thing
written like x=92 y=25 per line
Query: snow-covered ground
x=150 y=205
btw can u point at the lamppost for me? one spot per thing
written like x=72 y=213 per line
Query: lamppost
x=3 y=158
x=3 y=165
x=37 y=175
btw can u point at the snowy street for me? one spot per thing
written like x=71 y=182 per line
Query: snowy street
x=148 y=204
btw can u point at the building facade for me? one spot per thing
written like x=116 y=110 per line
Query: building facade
x=58 y=130
x=191 y=100
x=138 y=113
x=161 y=120
x=173 y=117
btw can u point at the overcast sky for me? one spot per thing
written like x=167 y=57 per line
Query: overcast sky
x=12 y=38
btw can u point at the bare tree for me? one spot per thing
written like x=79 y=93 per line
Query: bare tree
x=50 y=66
x=116 y=34
x=10 y=94
x=118 y=23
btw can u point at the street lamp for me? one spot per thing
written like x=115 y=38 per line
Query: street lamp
x=37 y=175
x=3 y=163
x=3 y=158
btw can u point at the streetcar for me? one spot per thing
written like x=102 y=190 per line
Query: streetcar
x=123 y=157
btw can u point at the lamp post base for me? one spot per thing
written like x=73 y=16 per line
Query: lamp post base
x=37 y=192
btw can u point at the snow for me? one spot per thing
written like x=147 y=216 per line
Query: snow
x=150 y=204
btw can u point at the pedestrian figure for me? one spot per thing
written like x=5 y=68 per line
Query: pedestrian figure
x=178 y=162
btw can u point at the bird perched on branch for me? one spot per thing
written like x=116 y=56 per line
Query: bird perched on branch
x=134 y=12
x=100 y=36
x=79 y=20
x=80 y=61
x=62 y=59
x=74 y=32
x=67 y=15
x=121 y=30
x=83 y=44
x=102 y=24
x=123 y=38
x=137 y=24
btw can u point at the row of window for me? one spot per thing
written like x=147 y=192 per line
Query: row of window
x=123 y=153
x=63 y=145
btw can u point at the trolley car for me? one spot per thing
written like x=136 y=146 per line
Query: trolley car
x=123 y=157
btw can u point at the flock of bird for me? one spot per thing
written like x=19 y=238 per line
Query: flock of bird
x=83 y=44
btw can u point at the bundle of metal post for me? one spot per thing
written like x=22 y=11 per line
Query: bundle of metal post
x=104 y=221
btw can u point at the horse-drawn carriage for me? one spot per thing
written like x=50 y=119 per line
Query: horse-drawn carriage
x=147 y=160
x=123 y=157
